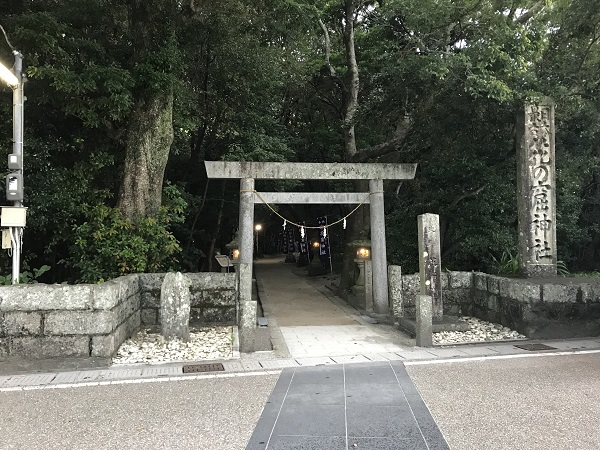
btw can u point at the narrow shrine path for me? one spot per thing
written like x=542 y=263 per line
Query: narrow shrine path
x=314 y=322
x=292 y=300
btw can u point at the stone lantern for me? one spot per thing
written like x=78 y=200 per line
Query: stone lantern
x=234 y=249
x=363 y=286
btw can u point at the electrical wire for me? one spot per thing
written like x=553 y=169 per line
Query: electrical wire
x=7 y=41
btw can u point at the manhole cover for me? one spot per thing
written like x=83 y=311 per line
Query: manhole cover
x=194 y=368
x=535 y=347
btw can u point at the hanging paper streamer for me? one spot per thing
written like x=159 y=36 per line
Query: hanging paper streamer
x=324 y=249
x=303 y=242
x=344 y=224
x=284 y=224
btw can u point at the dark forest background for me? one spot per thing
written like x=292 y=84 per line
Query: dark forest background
x=126 y=99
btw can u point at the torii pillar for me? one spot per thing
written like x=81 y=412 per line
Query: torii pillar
x=247 y=306
x=378 y=248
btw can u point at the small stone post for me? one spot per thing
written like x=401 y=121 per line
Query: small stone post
x=395 y=290
x=369 y=286
x=430 y=261
x=424 y=334
x=378 y=248
x=536 y=190
x=175 y=306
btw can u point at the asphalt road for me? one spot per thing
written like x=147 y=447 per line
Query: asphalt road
x=549 y=402
x=545 y=402
x=206 y=414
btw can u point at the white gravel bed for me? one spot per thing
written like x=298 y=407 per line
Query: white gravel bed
x=481 y=331
x=208 y=343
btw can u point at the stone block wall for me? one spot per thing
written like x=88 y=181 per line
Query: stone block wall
x=538 y=308
x=213 y=298
x=45 y=321
x=456 y=287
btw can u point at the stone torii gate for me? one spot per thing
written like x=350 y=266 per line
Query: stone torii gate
x=247 y=172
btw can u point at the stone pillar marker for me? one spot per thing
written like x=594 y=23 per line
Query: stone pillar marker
x=536 y=189
x=378 y=248
x=430 y=261
x=175 y=306
x=424 y=334
x=395 y=290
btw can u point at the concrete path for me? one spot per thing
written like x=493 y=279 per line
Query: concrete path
x=312 y=322
x=523 y=402
x=366 y=406
x=292 y=300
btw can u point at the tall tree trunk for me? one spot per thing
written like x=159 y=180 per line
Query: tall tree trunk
x=150 y=129
x=149 y=140
x=359 y=222
x=352 y=83
x=217 y=231
x=359 y=228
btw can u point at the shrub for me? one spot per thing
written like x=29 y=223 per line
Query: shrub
x=108 y=246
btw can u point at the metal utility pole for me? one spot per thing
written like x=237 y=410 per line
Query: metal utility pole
x=14 y=217
x=17 y=232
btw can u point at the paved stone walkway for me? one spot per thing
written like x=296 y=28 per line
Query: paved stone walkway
x=312 y=321
x=366 y=406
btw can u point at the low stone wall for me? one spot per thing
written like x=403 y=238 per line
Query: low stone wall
x=456 y=291
x=538 y=308
x=213 y=297
x=46 y=321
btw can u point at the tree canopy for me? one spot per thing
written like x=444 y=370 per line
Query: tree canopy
x=125 y=100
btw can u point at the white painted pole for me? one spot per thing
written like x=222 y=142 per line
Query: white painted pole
x=17 y=232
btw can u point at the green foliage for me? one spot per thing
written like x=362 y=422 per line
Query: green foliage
x=70 y=69
x=562 y=269
x=107 y=246
x=586 y=274
x=250 y=84
x=27 y=276
x=60 y=183
x=508 y=263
